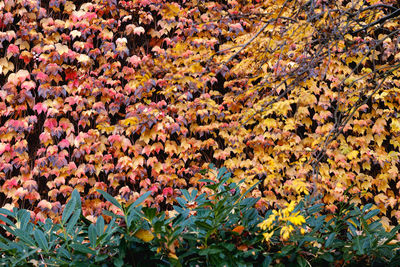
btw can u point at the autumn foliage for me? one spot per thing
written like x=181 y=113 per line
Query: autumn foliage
x=132 y=96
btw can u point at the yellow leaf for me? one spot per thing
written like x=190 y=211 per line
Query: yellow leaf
x=130 y=121
x=366 y=166
x=380 y=198
x=395 y=125
x=352 y=155
x=83 y=59
x=144 y=235
x=61 y=49
x=379 y=138
x=172 y=255
x=171 y=147
x=75 y=34
x=5 y=66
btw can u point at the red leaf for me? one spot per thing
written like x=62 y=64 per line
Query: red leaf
x=70 y=74
x=168 y=191
x=12 y=49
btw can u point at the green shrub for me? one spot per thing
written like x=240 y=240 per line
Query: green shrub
x=219 y=229
x=349 y=238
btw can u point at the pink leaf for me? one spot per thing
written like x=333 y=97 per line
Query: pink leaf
x=13 y=49
x=44 y=137
x=63 y=143
x=50 y=123
x=28 y=85
x=40 y=76
x=135 y=60
x=4 y=148
x=168 y=191
x=40 y=107
x=237 y=27
x=138 y=30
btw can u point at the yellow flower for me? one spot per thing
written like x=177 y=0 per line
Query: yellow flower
x=297 y=219
x=267 y=236
x=286 y=212
x=266 y=224
x=285 y=232
x=291 y=206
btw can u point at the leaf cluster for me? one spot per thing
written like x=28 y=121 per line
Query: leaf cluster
x=216 y=229
x=348 y=237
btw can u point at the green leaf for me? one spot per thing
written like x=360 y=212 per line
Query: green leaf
x=25 y=256
x=176 y=233
x=327 y=257
x=193 y=194
x=229 y=247
x=375 y=226
x=358 y=246
x=23 y=218
x=100 y=258
x=24 y=236
x=6 y=220
x=203 y=225
x=393 y=234
x=366 y=207
x=207 y=181
x=181 y=201
x=352 y=229
x=72 y=222
x=83 y=249
x=112 y=215
x=3 y=246
x=100 y=225
x=110 y=198
x=371 y=214
x=7 y=212
x=73 y=205
x=267 y=261
x=209 y=251
x=249 y=190
x=62 y=252
x=41 y=239
x=150 y=213
x=92 y=233
x=111 y=227
x=302 y=262
x=119 y=262
x=286 y=250
x=133 y=215
x=306 y=239
x=75 y=195
x=186 y=194
x=139 y=201
x=221 y=172
x=249 y=202
x=330 y=239
x=316 y=208
x=203 y=171
x=69 y=208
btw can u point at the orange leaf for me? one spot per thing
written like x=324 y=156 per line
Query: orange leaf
x=238 y=229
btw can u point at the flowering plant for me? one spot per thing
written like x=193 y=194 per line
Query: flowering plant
x=307 y=234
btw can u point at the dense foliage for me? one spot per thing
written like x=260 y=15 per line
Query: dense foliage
x=135 y=96
x=220 y=229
